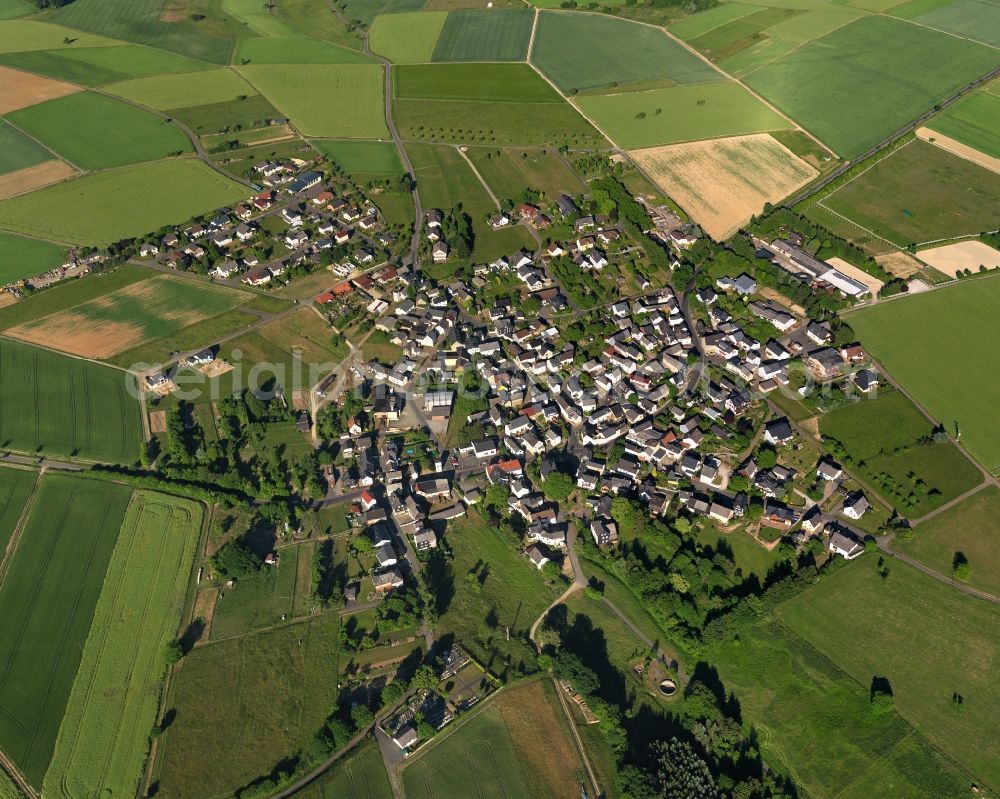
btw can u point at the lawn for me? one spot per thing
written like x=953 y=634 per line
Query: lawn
x=19 y=152
x=362 y=157
x=816 y=723
x=680 y=113
x=338 y=100
x=847 y=87
x=21 y=257
x=359 y=775
x=245 y=704
x=116 y=322
x=62 y=406
x=96 y=66
x=295 y=50
x=974 y=121
x=927 y=639
x=889 y=435
x=959 y=387
x=749 y=555
x=407 y=38
x=92 y=131
x=509 y=171
x=919 y=194
x=15 y=488
x=586 y=51
x=49 y=595
x=103 y=741
x=970 y=528
x=485 y=35
x=177 y=91
x=108 y=206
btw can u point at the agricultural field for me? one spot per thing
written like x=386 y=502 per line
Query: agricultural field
x=362 y=157
x=889 y=435
x=92 y=131
x=115 y=204
x=358 y=775
x=21 y=257
x=22 y=89
x=725 y=182
x=509 y=171
x=407 y=38
x=20 y=35
x=96 y=66
x=920 y=193
x=579 y=51
x=295 y=50
x=366 y=10
x=968 y=19
x=121 y=320
x=950 y=375
x=444 y=179
x=974 y=121
x=819 y=725
x=305 y=17
x=49 y=595
x=253 y=111
x=845 y=87
x=336 y=100
x=246 y=703
x=103 y=739
x=163 y=92
x=35 y=177
x=15 y=489
x=485 y=35
x=9 y=9
x=929 y=640
x=19 y=152
x=60 y=406
x=680 y=113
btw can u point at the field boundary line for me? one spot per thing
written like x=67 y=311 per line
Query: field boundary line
x=479 y=177
x=531 y=39
x=754 y=10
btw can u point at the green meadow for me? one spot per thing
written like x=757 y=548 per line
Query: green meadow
x=22 y=257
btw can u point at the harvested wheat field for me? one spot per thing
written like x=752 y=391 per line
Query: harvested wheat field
x=21 y=89
x=722 y=183
x=961 y=150
x=34 y=177
x=899 y=264
x=873 y=283
x=954 y=258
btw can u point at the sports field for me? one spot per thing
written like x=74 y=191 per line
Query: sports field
x=15 y=488
x=21 y=257
x=295 y=50
x=360 y=774
x=92 y=131
x=96 y=66
x=338 y=100
x=725 y=182
x=407 y=38
x=103 y=740
x=119 y=321
x=19 y=152
x=951 y=374
x=362 y=157
x=244 y=704
x=920 y=193
x=974 y=121
x=928 y=639
x=49 y=595
x=61 y=406
x=680 y=113
x=108 y=206
x=178 y=91
x=580 y=51
x=847 y=88
x=485 y=35
x=509 y=171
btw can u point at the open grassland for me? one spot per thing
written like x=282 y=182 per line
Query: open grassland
x=359 y=775
x=971 y=19
x=307 y=18
x=847 y=87
x=680 y=113
x=929 y=640
x=177 y=91
x=103 y=739
x=725 y=182
x=951 y=375
x=260 y=18
x=92 y=131
x=485 y=35
x=338 y=100
x=296 y=50
x=15 y=488
x=116 y=322
x=26 y=34
x=60 y=406
x=366 y=10
x=890 y=435
x=479 y=752
x=245 y=704
x=578 y=51
x=248 y=113
x=159 y=23
x=407 y=38
x=821 y=727
x=920 y=193
x=974 y=121
x=108 y=206
x=49 y=594
x=9 y=9
x=95 y=66
x=21 y=257
x=509 y=171
x=970 y=528
x=19 y=151
x=23 y=89
x=362 y=157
